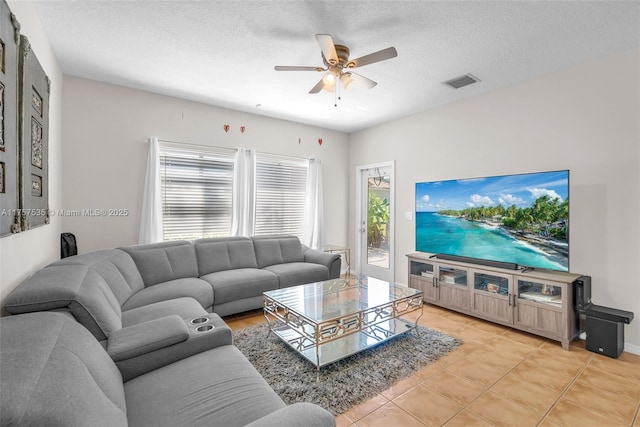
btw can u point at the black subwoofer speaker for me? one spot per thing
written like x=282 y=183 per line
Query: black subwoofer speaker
x=605 y=336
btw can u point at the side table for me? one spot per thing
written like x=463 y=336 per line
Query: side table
x=337 y=249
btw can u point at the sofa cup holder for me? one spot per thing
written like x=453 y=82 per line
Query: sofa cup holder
x=204 y=328
x=199 y=320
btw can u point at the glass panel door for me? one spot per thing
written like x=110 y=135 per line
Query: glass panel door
x=491 y=283
x=539 y=292
x=452 y=276
x=378 y=196
x=376 y=222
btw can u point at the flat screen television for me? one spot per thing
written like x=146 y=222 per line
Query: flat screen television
x=520 y=219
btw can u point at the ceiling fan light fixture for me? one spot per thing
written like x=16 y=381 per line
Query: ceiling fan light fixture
x=347 y=80
x=329 y=79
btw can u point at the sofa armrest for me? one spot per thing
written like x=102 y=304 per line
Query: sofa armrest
x=202 y=333
x=330 y=260
x=298 y=414
x=146 y=337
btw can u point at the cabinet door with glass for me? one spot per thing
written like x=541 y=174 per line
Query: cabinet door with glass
x=492 y=297
x=422 y=277
x=540 y=305
x=453 y=288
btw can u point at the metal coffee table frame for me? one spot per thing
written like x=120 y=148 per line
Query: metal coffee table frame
x=326 y=340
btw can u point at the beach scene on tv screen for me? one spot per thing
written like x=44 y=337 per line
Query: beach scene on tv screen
x=522 y=219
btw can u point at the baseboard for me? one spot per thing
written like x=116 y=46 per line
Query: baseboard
x=631 y=348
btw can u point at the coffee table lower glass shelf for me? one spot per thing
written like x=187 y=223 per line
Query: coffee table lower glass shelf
x=328 y=321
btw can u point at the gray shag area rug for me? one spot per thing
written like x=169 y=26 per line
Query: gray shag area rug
x=347 y=382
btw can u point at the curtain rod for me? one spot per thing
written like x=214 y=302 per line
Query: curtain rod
x=231 y=149
x=285 y=156
x=192 y=144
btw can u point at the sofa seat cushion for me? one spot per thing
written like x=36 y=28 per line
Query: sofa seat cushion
x=190 y=287
x=187 y=308
x=232 y=285
x=299 y=273
x=218 y=387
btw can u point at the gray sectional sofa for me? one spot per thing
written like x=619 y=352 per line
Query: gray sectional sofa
x=118 y=288
x=154 y=313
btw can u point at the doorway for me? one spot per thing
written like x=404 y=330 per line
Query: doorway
x=375 y=221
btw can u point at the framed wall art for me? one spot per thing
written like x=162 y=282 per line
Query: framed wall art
x=9 y=145
x=33 y=133
x=3 y=189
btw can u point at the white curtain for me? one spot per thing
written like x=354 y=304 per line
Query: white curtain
x=313 y=207
x=243 y=187
x=151 y=217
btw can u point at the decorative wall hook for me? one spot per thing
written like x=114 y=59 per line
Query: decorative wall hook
x=242 y=129
x=320 y=141
x=226 y=128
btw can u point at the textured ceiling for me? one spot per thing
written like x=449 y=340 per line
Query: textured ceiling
x=223 y=52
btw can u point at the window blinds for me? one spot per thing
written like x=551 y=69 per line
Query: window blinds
x=197 y=193
x=280 y=195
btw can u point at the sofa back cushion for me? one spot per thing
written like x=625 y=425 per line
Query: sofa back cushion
x=116 y=267
x=226 y=253
x=91 y=287
x=272 y=250
x=55 y=373
x=165 y=261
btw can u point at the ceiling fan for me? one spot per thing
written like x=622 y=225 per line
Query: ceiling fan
x=338 y=66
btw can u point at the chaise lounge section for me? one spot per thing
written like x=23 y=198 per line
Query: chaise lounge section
x=55 y=373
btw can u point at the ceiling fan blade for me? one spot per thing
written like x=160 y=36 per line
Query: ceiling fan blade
x=363 y=80
x=378 y=56
x=318 y=87
x=328 y=48
x=296 y=68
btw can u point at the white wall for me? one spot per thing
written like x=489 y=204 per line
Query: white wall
x=105 y=153
x=585 y=119
x=23 y=253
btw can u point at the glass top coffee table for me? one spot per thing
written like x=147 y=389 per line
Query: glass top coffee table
x=328 y=321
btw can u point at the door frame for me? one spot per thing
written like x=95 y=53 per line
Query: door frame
x=359 y=256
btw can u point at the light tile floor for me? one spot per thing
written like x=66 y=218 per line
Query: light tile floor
x=501 y=377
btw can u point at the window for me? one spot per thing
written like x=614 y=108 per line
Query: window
x=198 y=186
x=196 y=193
x=281 y=185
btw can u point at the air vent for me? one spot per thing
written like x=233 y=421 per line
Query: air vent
x=461 y=81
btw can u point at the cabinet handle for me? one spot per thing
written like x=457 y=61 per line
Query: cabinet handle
x=509 y=300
